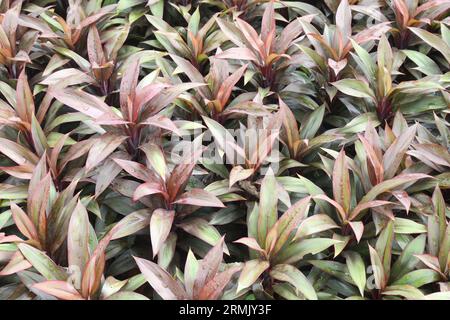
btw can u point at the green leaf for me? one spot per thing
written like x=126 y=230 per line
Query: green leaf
x=127 y=295
x=290 y=274
x=78 y=237
x=378 y=269
x=419 y=278
x=424 y=64
x=357 y=269
x=298 y=249
x=201 y=229
x=130 y=224
x=406 y=291
x=336 y=269
x=251 y=272
x=444 y=250
x=268 y=214
x=389 y=185
x=407 y=260
x=314 y=224
x=433 y=41
x=163 y=283
x=42 y=263
x=407 y=226
x=341 y=182
x=155 y=157
x=160 y=226
x=354 y=88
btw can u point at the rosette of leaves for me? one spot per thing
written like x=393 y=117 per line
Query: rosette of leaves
x=193 y=43
x=379 y=175
x=165 y=192
x=15 y=43
x=278 y=244
x=84 y=276
x=415 y=14
x=69 y=32
x=377 y=85
x=332 y=48
x=269 y=52
x=247 y=155
x=140 y=106
x=202 y=280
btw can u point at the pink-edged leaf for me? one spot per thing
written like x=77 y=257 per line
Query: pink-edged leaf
x=146 y=189
x=289 y=221
x=430 y=261
x=100 y=14
x=78 y=237
x=201 y=229
x=94 y=47
x=341 y=182
x=268 y=22
x=9 y=239
x=145 y=94
x=60 y=289
x=42 y=263
x=136 y=170
x=314 y=224
x=199 y=197
x=102 y=148
x=93 y=272
x=238 y=173
x=128 y=86
x=161 y=281
x=225 y=88
x=131 y=224
x=251 y=243
x=389 y=185
x=401 y=12
x=358 y=229
x=238 y=54
x=251 y=272
x=208 y=267
x=160 y=226
x=24 y=98
x=443 y=4
x=376 y=165
x=404 y=199
x=182 y=172
x=18 y=153
x=163 y=122
x=252 y=36
x=16 y=264
x=268 y=211
x=372 y=33
x=67 y=77
x=341 y=211
x=213 y=288
x=367 y=205
x=378 y=269
x=85 y=103
x=344 y=20
x=23 y=222
x=21 y=172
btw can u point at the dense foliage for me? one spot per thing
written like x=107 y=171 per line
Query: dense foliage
x=316 y=149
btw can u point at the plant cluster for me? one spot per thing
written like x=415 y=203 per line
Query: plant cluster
x=316 y=150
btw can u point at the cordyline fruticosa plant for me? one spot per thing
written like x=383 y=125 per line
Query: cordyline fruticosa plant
x=315 y=145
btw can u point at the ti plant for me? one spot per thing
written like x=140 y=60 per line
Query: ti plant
x=376 y=83
x=201 y=280
x=267 y=51
x=278 y=244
